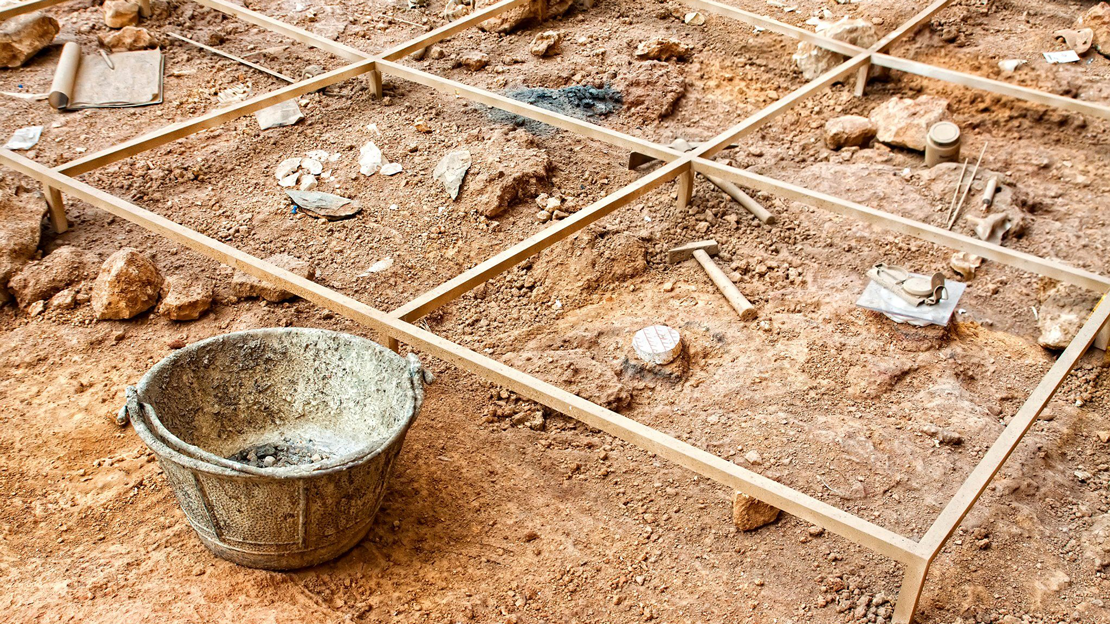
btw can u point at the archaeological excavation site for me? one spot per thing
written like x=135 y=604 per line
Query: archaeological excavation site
x=555 y=311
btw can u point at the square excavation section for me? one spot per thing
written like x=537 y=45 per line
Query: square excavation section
x=915 y=555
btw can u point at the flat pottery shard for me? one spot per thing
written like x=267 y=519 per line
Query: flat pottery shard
x=324 y=205
x=286 y=113
x=451 y=170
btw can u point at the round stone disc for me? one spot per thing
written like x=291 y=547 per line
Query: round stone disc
x=657 y=344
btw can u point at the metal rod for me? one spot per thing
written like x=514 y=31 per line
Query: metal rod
x=963 y=198
x=237 y=59
x=956 y=193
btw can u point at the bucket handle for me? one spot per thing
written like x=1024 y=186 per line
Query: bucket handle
x=419 y=377
x=130 y=410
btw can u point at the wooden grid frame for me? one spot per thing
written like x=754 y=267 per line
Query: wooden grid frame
x=915 y=555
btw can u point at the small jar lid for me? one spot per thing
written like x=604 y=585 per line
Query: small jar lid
x=918 y=286
x=944 y=133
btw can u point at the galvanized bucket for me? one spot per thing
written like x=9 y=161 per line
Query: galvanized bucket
x=278 y=442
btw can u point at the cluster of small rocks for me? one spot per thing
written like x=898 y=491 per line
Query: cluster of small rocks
x=552 y=207
x=858 y=604
x=511 y=410
x=123 y=16
x=126 y=285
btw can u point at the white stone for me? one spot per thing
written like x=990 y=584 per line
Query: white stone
x=379 y=266
x=369 y=159
x=389 y=169
x=287 y=167
x=24 y=138
x=285 y=113
x=290 y=180
x=313 y=166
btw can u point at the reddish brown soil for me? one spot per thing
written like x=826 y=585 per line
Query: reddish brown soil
x=488 y=522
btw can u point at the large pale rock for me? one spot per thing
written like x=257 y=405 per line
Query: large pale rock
x=513 y=168
x=663 y=49
x=129 y=38
x=121 y=13
x=651 y=90
x=127 y=285
x=22 y=37
x=748 y=514
x=545 y=43
x=905 y=122
x=248 y=286
x=38 y=281
x=849 y=131
x=1062 y=313
x=1096 y=542
x=474 y=60
x=814 y=61
x=21 y=212
x=1097 y=18
x=185 y=299
x=532 y=12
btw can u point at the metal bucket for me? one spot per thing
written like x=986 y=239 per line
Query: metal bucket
x=278 y=442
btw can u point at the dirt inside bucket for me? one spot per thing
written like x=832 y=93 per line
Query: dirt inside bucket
x=288 y=452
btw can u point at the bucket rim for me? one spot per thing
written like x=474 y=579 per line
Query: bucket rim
x=161 y=448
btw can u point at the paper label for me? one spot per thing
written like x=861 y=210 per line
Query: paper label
x=1067 y=56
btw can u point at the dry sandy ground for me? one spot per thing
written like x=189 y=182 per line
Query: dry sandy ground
x=486 y=521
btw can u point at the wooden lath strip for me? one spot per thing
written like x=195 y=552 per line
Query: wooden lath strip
x=1019 y=92
x=215 y=118
x=26 y=7
x=529 y=111
x=836 y=520
x=908 y=66
x=445 y=31
x=910 y=26
x=762 y=21
x=482 y=273
x=895 y=223
x=295 y=33
x=1019 y=425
